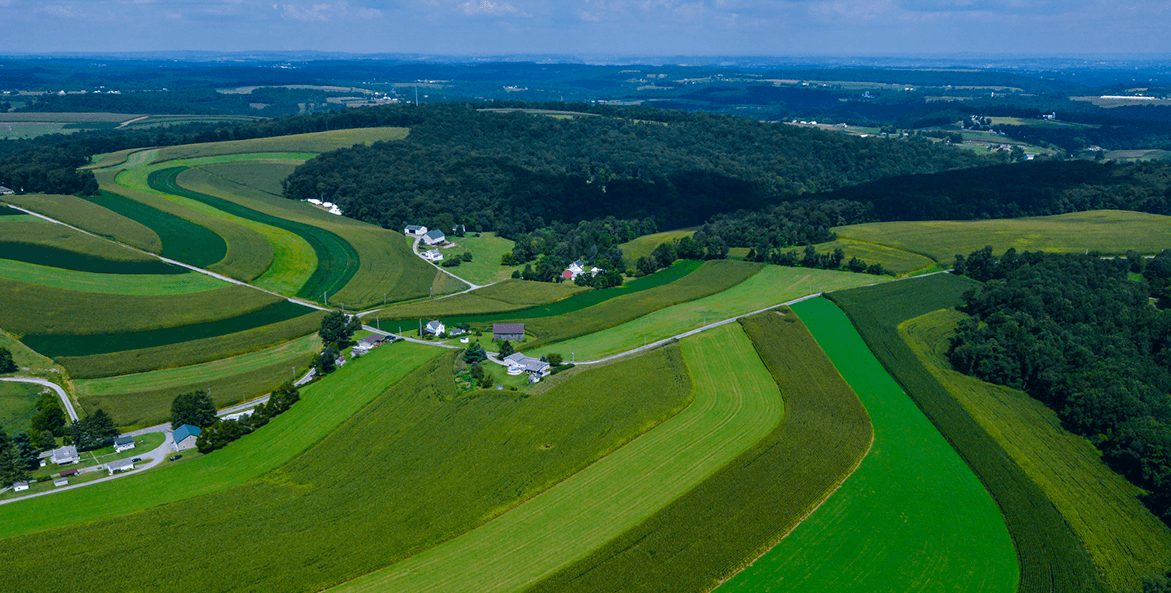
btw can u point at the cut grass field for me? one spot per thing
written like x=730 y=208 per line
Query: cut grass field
x=49 y=244
x=486 y=251
x=1049 y=553
x=316 y=142
x=17 y=406
x=644 y=245
x=1124 y=539
x=912 y=517
x=893 y=260
x=480 y=455
x=1107 y=231
x=324 y=406
x=125 y=284
x=736 y=403
x=773 y=285
x=509 y=295
x=144 y=399
x=728 y=521
x=90 y=217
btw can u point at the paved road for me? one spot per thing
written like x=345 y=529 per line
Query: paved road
x=372 y=329
x=415 y=250
x=55 y=387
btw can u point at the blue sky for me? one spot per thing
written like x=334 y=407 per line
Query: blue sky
x=593 y=27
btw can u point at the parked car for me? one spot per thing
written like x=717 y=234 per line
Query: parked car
x=175 y=457
x=136 y=459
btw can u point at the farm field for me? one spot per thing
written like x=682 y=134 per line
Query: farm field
x=732 y=518
x=90 y=217
x=1123 y=538
x=28 y=361
x=323 y=407
x=773 y=285
x=1050 y=556
x=644 y=245
x=912 y=497
x=143 y=399
x=17 y=406
x=1107 y=231
x=894 y=260
x=125 y=284
x=315 y=142
x=481 y=455
x=49 y=244
x=509 y=295
x=736 y=403
x=258 y=177
x=486 y=251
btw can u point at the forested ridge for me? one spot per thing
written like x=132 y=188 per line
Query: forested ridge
x=515 y=172
x=1076 y=333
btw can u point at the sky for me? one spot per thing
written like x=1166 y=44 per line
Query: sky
x=591 y=27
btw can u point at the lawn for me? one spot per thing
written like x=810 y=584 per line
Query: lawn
x=509 y=295
x=124 y=284
x=316 y=142
x=912 y=517
x=452 y=463
x=1124 y=539
x=324 y=406
x=893 y=260
x=773 y=285
x=1107 y=231
x=729 y=520
x=736 y=404
x=143 y=399
x=86 y=215
x=17 y=406
x=644 y=245
x=486 y=251
x=1050 y=555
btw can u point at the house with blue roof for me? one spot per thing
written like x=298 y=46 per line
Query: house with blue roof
x=185 y=436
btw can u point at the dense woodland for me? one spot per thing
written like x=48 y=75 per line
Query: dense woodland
x=1076 y=333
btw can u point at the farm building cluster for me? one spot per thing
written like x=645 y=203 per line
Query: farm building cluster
x=329 y=207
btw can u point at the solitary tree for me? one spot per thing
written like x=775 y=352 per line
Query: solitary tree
x=194 y=408
x=506 y=349
x=7 y=365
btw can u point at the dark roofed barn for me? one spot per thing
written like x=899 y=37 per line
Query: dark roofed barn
x=513 y=332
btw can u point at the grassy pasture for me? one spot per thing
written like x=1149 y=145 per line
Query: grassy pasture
x=644 y=245
x=336 y=260
x=35 y=309
x=192 y=351
x=482 y=455
x=143 y=399
x=17 y=406
x=894 y=260
x=316 y=142
x=386 y=264
x=60 y=346
x=912 y=517
x=28 y=361
x=771 y=286
x=88 y=216
x=1107 y=231
x=1050 y=556
x=485 y=266
x=509 y=295
x=126 y=284
x=323 y=407
x=49 y=244
x=729 y=520
x=1123 y=538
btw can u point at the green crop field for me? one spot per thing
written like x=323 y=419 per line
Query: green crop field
x=726 y=522
x=259 y=175
x=912 y=517
x=509 y=295
x=454 y=462
x=28 y=361
x=486 y=250
x=143 y=399
x=336 y=261
x=324 y=406
x=1107 y=231
x=91 y=217
x=1124 y=539
x=316 y=142
x=17 y=406
x=644 y=245
x=1050 y=555
x=894 y=260
x=736 y=403
x=48 y=244
x=773 y=285
x=127 y=284
x=112 y=159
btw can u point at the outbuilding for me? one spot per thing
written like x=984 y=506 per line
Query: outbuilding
x=4 y=191
x=121 y=465
x=59 y=482
x=415 y=230
x=69 y=473
x=513 y=332
x=123 y=443
x=184 y=437
x=434 y=237
x=19 y=486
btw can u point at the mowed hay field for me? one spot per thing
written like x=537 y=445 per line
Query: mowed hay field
x=49 y=244
x=1107 y=231
x=1123 y=538
x=1050 y=554
x=315 y=142
x=89 y=216
x=644 y=245
x=893 y=260
x=509 y=295
x=143 y=399
x=732 y=518
x=17 y=406
x=125 y=284
x=912 y=517
x=736 y=404
x=452 y=462
x=324 y=406
x=773 y=285
x=486 y=251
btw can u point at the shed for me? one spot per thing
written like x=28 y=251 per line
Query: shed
x=513 y=332
x=414 y=229
x=59 y=482
x=19 y=486
x=185 y=436
x=66 y=455
x=123 y=443
x=434 y=237
x=69 y=472
x=121 y=465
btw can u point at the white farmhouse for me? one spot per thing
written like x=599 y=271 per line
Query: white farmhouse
x=434 y=327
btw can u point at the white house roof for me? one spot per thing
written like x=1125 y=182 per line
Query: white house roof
x=65 y=453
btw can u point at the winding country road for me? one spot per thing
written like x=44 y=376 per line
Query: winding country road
x=55 y=387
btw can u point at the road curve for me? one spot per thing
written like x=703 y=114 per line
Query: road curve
x=55 y=387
